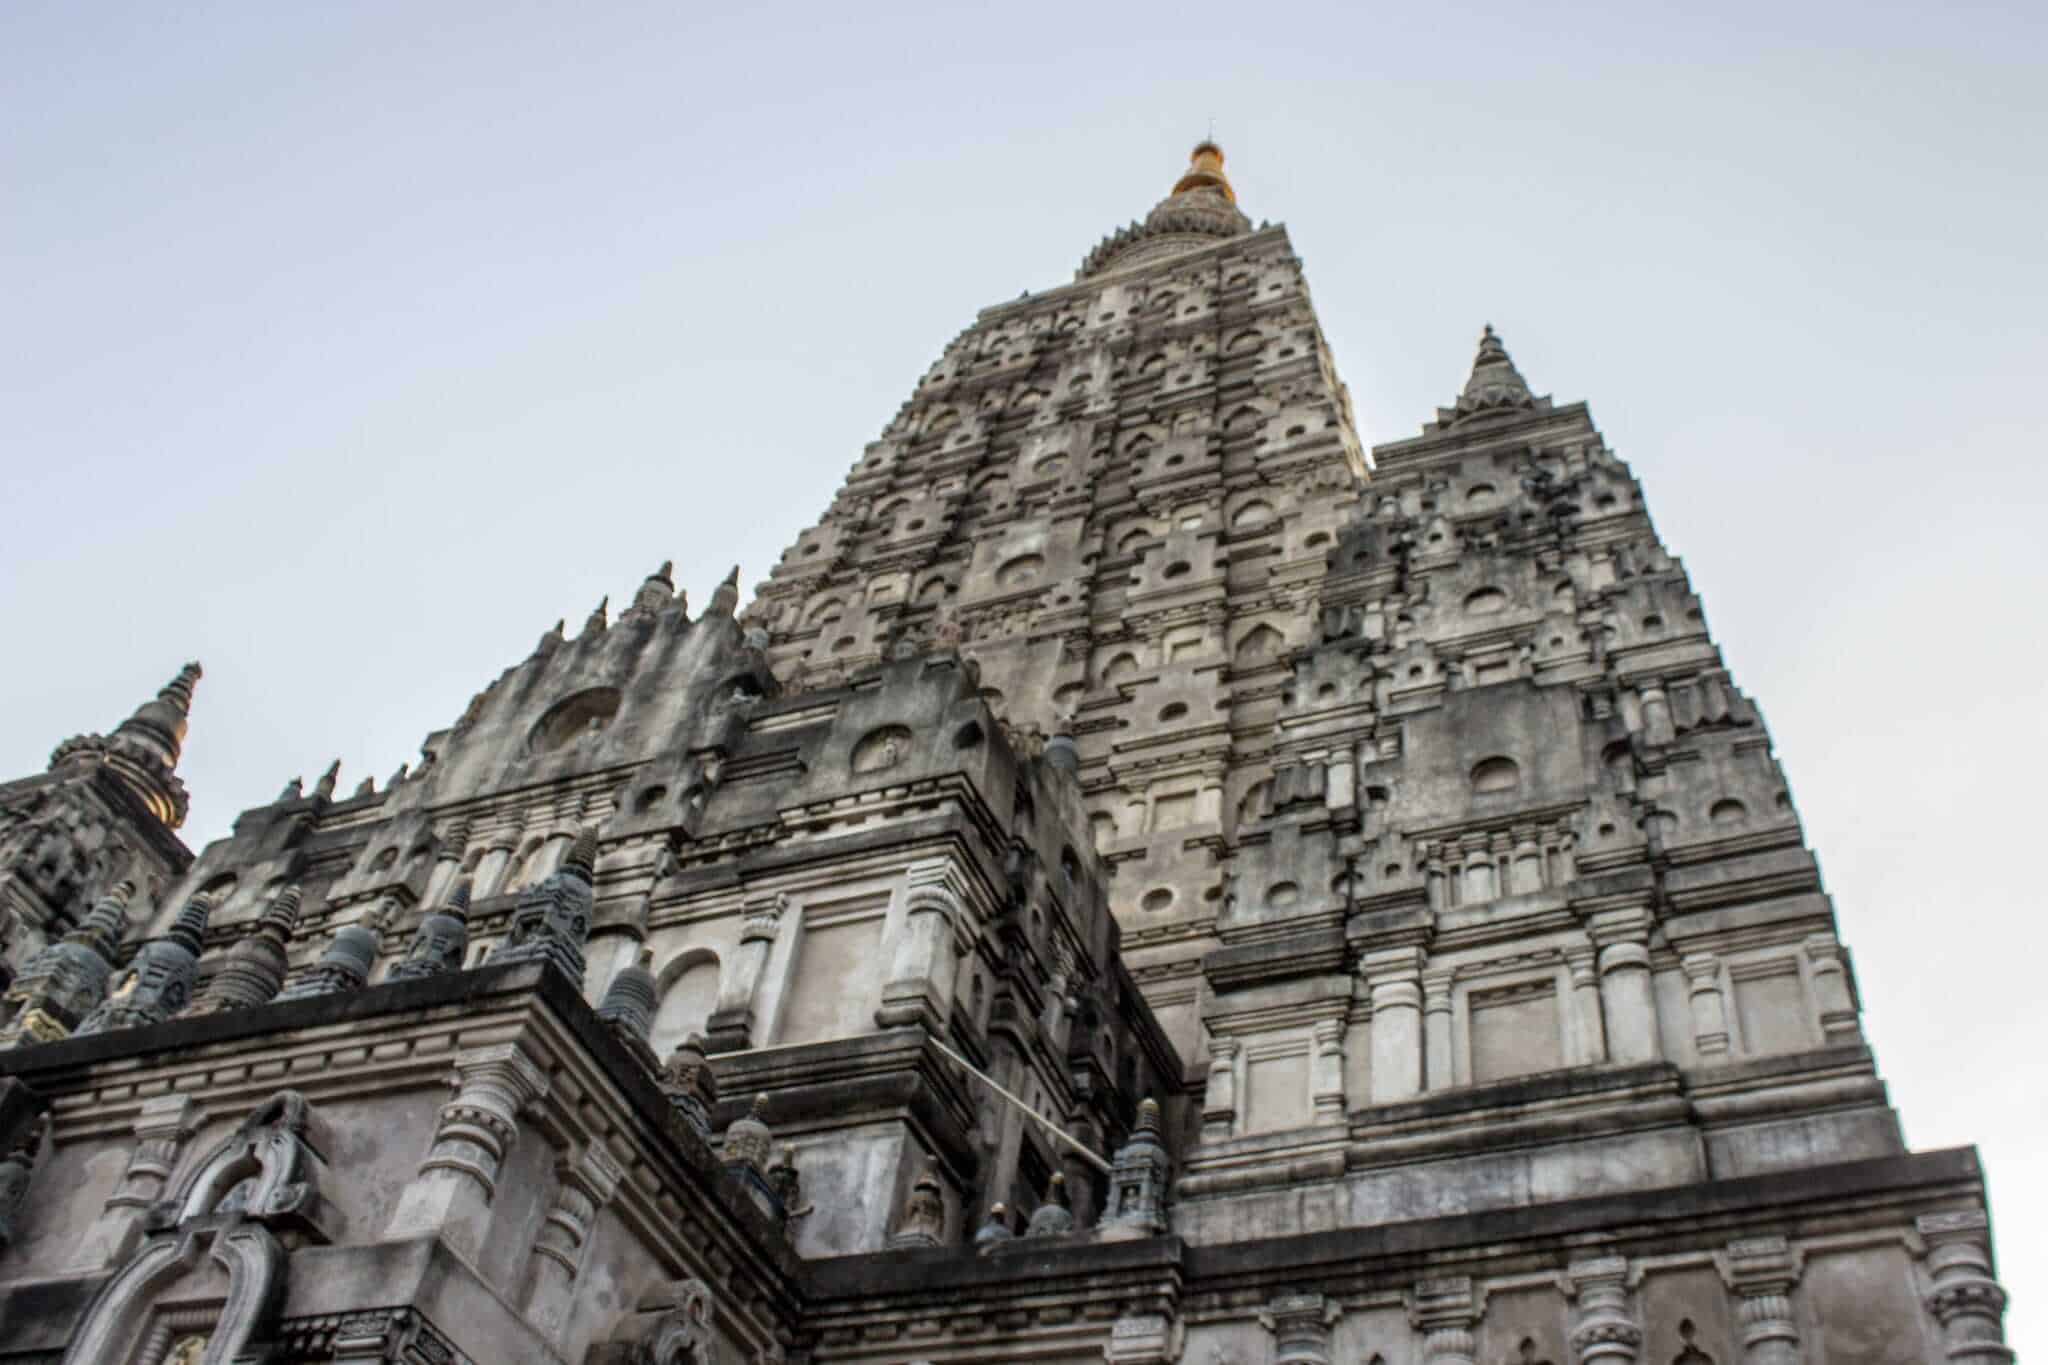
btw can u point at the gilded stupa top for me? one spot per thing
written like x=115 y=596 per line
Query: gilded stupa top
x=1201 y=208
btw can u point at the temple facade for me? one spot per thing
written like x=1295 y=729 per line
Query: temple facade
x=1145 y=879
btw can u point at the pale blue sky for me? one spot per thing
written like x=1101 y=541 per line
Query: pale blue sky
x=347 y=346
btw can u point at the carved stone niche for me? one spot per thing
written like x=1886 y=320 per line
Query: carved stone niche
x=671 y=1326
x=209 y=1276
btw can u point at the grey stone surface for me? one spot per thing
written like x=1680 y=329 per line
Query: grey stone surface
x=1342 y=893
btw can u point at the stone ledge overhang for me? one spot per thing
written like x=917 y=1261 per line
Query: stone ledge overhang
x=599 y=1092
x=1314 y=953
x=818 y=1086
x=852 y=1295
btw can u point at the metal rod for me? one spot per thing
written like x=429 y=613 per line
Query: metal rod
x=1086 y=1155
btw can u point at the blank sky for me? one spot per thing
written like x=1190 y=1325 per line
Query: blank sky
x=346 y=346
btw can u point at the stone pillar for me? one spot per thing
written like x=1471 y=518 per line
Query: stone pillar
x=1604 y=1331
x=458 y=1178
x=731 y=1026
x=1624 y=940
x=920 y=984
x=1219 y=1102
x=448 y=866
x=586 y=1186
x=1328 y=1070
x=490 y=871
x=1709 y=1010
x=1657 y=728
x=1966 y=1300
x=1393 y=976
x=1831 y=989
x=1443 y=1311
x=1588 y=1031
x=1479 y=869
x=1760 y=1272
x=1439 y=1070
x=1300 y=1324
x=1435 y=876
x=162 y=1128
x=1528 y=864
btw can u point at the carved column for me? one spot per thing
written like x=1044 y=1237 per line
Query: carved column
x=1624 y=940
x=1393 y=976
x=1967 y=1301
x=1709 y=1010
x=1760 y=1272
x=1587 y=1029
x=1528 y=864
x=587 y=1185
x=1445 y=1313
x=1604 y=1331
x=731 y=1026
x=458 y=1179
x=1657 y=728
x=1219 y=1102
x=1434 y=876
x=1439 y=1071
x=1831 y=989
x=1329 y=1071
x=920 y=985
x=490 y=871
x=161 y=1131
x=1300 y=1324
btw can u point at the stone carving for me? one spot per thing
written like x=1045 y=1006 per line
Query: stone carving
x=1760 y=1272
x=690 y=1084
x=157 y=985
x=1604 y=1332
x=584 y=1187
x=682 y=1335
x=1145 y=1337
x=144 y=749
x=923 y=1223
x=254 y=968
x=786 y=1182
x=346 y=964
x=1445 y=1312
x=458 y=1178
x=995 y=1228
x=1055 y=1217
x=1137 y=1181
x=254 y=1196
x=1300 y=1324
x=552 y=919
x=440 y=942
x=17 y=1166
x=1967 y=1303
x=67 y=980
x=628 y=1004
x=748 y=1139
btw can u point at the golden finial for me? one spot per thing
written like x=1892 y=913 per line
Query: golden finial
x=1205 y=171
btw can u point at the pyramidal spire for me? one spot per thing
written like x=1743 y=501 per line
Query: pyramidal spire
x=1496 y=386
x=144 y=749
x=726 y=597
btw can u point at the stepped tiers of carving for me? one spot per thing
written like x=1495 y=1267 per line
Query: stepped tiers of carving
x=1145 y=880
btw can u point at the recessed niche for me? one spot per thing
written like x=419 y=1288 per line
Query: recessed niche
x=585 y=713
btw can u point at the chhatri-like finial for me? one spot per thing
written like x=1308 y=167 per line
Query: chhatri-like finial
x=1495 y=386
x=1205 y=171
x=725 y=599
x=582 y=855
x=599 y=618
x=143 y=750
x=324 y=788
